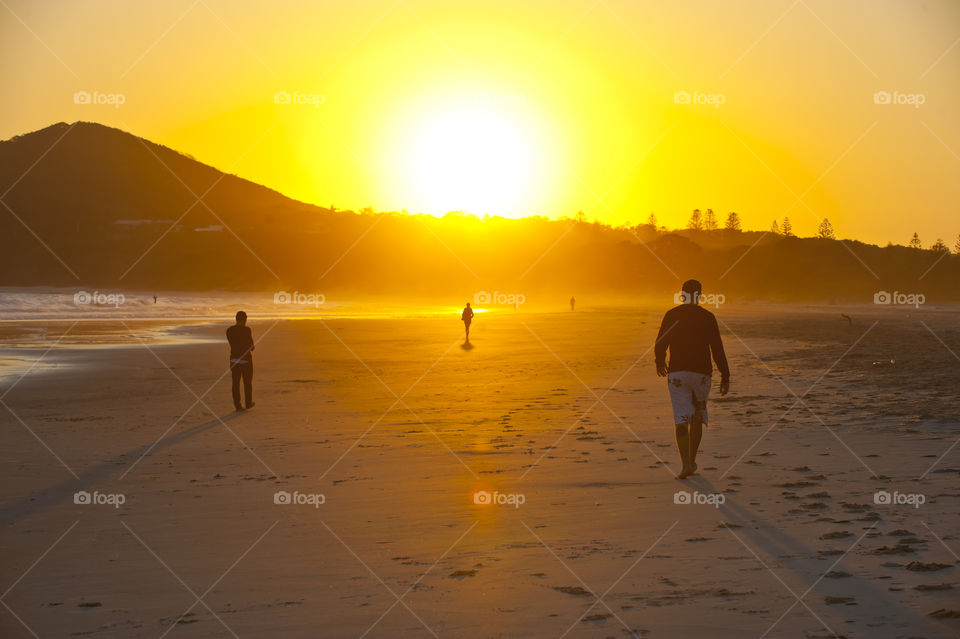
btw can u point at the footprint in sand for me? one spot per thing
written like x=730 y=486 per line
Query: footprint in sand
x=462 y=574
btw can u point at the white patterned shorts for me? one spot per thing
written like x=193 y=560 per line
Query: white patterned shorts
x=688 y=394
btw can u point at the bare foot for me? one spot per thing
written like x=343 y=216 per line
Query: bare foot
x=693 y=468
x=685 y=472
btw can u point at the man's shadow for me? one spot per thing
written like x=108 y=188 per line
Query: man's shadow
x=65 y=490
x=784 y=553
x=467 y=345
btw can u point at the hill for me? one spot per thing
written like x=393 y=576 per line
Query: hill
x=93 y=206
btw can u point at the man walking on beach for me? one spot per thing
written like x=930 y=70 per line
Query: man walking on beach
x=467 y=317
x=241 y=360
x=691 y=334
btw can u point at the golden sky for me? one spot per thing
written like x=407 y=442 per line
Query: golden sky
x=521 y=107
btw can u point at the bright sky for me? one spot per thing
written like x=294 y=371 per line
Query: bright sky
x=527 y=107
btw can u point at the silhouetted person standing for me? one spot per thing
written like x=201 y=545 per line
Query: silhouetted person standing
x=241 y=360
x=573 y=302
x=691 y=334
x=467 y=317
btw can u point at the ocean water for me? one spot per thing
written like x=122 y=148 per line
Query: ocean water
x=35 y=320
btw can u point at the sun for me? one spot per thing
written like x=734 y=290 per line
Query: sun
x=479 y=158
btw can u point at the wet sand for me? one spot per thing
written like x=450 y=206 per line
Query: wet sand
x=401 y=427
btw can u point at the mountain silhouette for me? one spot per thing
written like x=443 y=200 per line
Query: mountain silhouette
x=88 y=205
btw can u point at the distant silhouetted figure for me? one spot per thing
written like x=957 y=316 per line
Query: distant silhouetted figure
x=241 y=359
x=154 y=299
x=691 y=334
x=573 y=302
x=467 y=317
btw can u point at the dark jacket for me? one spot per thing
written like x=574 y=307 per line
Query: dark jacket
x=241 y=342
x=691 y=333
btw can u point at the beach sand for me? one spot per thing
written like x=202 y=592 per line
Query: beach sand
x=398 y=425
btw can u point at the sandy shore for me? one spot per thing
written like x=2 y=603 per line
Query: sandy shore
x=398 y=426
